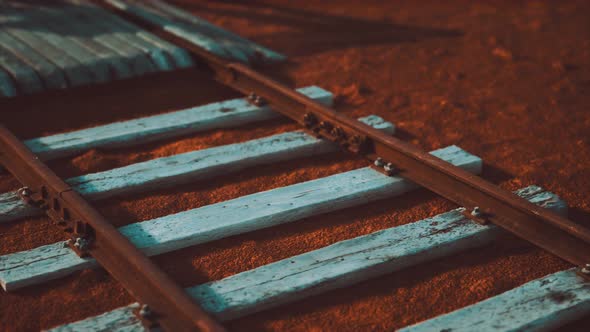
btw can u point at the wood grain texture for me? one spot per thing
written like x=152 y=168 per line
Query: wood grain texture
x=234 y=42
x=114 y=39
x=32 y=33
x=180 y=57
x=191 y=166
x=338 y=265
x=128 y=32
x=48 y=27
x=225 y=114
x=121 y=320
x=544 y=304
x=25 y=77
x=215 y=221
x=198 y=31
x=52 y=76
x=84 y=35
x=158 y=49
x=77 y=43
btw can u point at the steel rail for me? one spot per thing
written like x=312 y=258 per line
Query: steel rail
x=487 y=202
x=164 y=303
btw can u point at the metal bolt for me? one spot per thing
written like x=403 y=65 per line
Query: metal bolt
x=379 y=162
x=326 y=125
x=586 y=269
x=258 y=101
x=24 y=192
x=476 y=212
x=356 y=140
x=145 y=311
x=81 y=243
x=309 y=120
x=338 y=132
x=389 y=168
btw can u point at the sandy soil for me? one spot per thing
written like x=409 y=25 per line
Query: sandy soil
x=509 y=82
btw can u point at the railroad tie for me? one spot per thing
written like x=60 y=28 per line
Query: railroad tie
x=223 y=219
x=543 y=304
x=339 y=265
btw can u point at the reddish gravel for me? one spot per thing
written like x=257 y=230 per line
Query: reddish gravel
x=509 y=82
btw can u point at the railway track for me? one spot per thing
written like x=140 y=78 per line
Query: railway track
x=393 y=168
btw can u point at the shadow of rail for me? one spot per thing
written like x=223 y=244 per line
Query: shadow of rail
x=310 y=32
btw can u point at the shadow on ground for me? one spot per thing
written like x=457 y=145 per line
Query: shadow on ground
x=311 y=32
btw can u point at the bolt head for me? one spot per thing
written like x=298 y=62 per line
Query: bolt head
x=24 y=192
x=586 y=269
x=379 y=162
x=145 y=311
x=81 y=243
x=338 y=132
x=476 y=212
x=388 y=167
x=309 y=119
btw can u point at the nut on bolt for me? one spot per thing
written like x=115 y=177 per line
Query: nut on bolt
x=476 y=212
x=81 y=243
x=586 y=269
x=309 y=119
x=337 y=132
x=379 y=162
x=145 y=311
x=389 y=168
x=256 y=99
x=24 y=192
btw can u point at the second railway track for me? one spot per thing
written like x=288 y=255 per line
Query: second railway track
x=531 y=212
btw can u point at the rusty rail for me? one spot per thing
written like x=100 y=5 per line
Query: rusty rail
x=164 y=303
x=484 y=201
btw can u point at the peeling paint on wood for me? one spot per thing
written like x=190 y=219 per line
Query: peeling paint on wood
x=32 y=33
x=198 y=31
x=26 y=78
x=240 y=215
x=52 y=76
x=544 y=304
x=336 y=266
x=226 y=114
x=182 y=167
x=78 y=43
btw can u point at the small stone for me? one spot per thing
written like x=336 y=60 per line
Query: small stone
x=558 y=66
x=502 y=53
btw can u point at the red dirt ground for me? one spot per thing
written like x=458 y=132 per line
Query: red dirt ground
x=507 y=81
